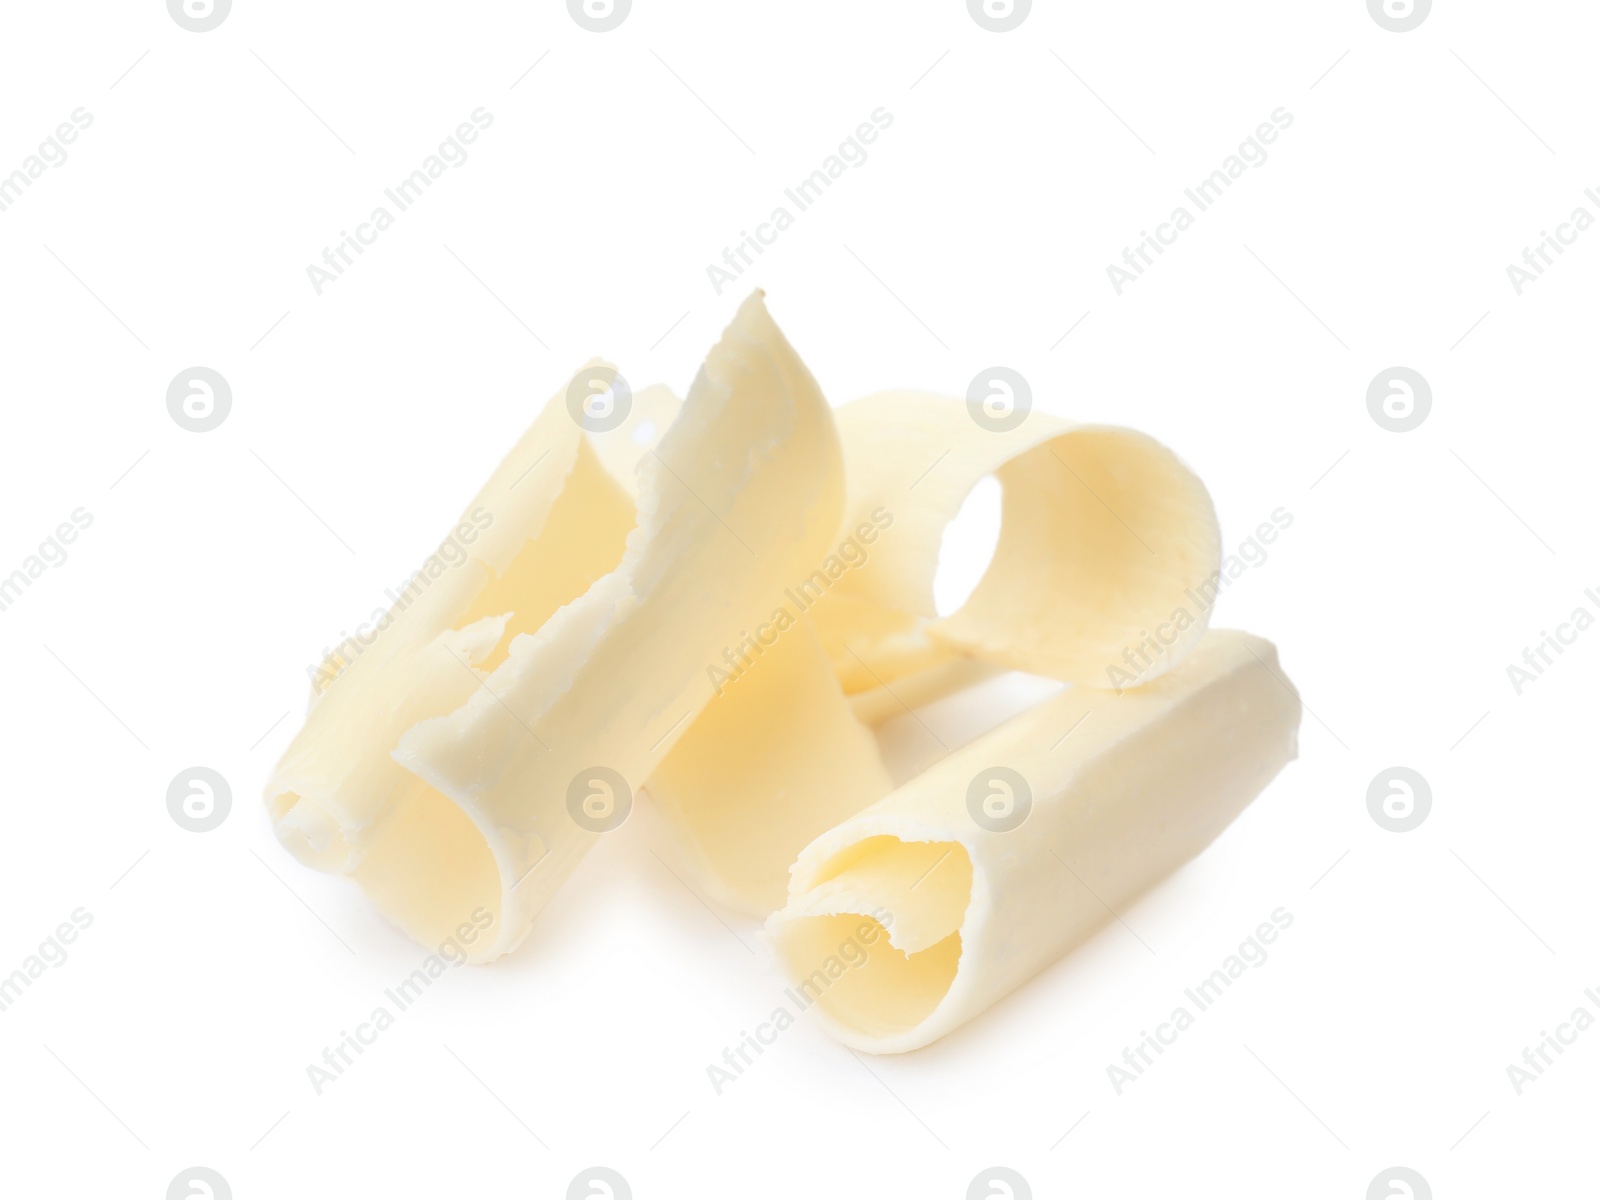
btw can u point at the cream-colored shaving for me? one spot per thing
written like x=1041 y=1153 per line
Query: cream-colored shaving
x=435 y=769
x=975 y=901
x=723 y=603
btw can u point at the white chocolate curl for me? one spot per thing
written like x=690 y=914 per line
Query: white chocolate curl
x=1144 y=782
x=435 y=769
x=717 y=604
x=1105 y=536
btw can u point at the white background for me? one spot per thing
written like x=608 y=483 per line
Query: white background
x=219 y=565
